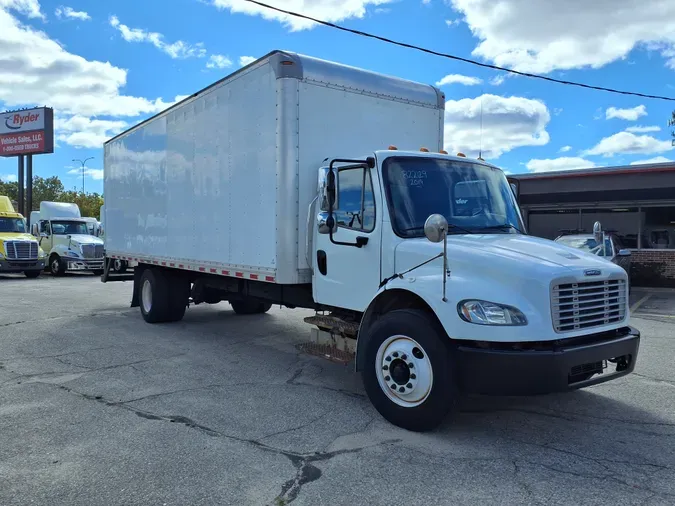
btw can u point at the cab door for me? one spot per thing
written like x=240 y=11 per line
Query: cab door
x=347 y=265
x=45 y=237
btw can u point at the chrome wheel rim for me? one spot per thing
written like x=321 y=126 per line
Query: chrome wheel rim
x=404 y=371
x=146 y=296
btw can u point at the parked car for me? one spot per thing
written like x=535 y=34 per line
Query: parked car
x=612 y=249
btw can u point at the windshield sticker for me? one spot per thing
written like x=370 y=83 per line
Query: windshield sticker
x=415 y=177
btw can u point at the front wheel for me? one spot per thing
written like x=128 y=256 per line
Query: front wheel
x=57 y=267
x=408 y=372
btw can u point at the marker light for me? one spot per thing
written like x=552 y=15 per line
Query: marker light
x=461 y=154
x=424 y=150
x=393 y=148
x=443 y=152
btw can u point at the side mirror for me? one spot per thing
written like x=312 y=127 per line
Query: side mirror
x=34 y=229
x=624 y=253
x=515 y=187
x=44 y=234
x=597 y=232
x=328 y=188
x=326 y=222
x=436 y=227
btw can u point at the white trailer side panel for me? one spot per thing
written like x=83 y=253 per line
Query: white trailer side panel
x=197 y=184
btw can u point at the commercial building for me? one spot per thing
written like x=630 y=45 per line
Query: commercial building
x=637 y=202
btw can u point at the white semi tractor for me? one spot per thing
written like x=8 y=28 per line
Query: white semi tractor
x=283 y=184
x=64 y=236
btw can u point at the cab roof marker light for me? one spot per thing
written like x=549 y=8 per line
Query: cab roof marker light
x=443 y=152
x=393 y=148
x=424 y=150
x=461 y=154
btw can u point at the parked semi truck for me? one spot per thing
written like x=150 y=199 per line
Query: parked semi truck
x=65 y=237
x=19 y=251
x=305 y=183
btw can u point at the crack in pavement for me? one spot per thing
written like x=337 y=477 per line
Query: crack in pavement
x=96 y=314
x=306 y=472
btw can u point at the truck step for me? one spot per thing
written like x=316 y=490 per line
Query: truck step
x=334 y=324
x=335 y=348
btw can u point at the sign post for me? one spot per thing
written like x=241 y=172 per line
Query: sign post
x=24 y=133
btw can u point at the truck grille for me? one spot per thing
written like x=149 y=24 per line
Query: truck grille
x=21 y=250
x=92 y=251
x=583 y=305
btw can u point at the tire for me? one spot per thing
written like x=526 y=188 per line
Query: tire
x=119 y=266
x=57 y=267
x=179 y=296
x=32 y=274
x=423 y=394
x=153 y=296
x=243 y=307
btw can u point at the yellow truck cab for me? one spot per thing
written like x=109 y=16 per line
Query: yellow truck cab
x=19 y=251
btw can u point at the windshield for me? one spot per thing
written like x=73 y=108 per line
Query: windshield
x=69 y=228
x=471 y=196
x=587 y=244
x=16 y=225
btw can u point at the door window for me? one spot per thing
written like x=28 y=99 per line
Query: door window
x=356 y=200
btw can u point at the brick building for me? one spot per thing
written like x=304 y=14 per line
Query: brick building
x=637 y=202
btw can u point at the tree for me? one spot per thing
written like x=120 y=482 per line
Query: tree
x=9 y=189
x=89 y=203
x=49 y=189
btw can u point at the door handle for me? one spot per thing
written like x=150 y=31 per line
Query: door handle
x=361 y=241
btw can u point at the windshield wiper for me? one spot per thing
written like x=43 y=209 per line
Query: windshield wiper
x=502 y=227
x=450 y=226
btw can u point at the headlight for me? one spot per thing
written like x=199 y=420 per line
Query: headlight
x=41 y=253
x=483 y=312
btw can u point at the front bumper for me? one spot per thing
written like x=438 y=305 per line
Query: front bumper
x=83 y=264
x=9 y=265
x=542 y=368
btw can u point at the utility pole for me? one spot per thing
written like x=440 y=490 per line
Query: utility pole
x=83 y=162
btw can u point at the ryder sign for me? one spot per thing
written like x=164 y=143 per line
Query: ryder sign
x=27 y=132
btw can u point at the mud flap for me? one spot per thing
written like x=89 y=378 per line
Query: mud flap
x=137 y=284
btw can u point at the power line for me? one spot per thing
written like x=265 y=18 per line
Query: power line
x=458 y=58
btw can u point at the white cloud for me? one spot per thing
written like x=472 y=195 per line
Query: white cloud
x=218 y=61
x=96 y=174
x=178 y=49
x=40 y=71
x=643 y=129
x=498 y=80
x=508 y=123
x=68 y=12
x=657 y=159
x=83 y=132
x=562 y=163
x=327 y=10
x=29 y=8
x=246 y=60
x=8 y=178
x=628 y=114
x=565 y=149
x=624 y=143
x=542 y=36
x=453 y=22
x=459 y=79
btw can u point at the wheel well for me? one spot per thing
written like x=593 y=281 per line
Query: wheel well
x=389 y=300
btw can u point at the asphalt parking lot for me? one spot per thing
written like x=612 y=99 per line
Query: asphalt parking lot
x=98 y=408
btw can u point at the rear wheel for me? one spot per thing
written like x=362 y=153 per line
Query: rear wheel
x=250 y=307
x=154 y=296
x=408 y=371
x=179 y=296
x=32 y=274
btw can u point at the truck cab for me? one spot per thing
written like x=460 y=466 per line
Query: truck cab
x=19 y=251
x=65 y=238
x=429 y=254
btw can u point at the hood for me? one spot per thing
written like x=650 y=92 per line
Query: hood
x=15 y=236
x=82 y=239
x=524 y=256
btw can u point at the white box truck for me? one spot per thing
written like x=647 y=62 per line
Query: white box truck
x=282 y=184
x=65 y=238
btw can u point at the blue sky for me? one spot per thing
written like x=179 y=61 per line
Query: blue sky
x=104 y=66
